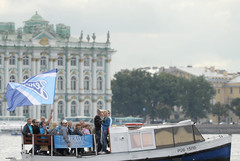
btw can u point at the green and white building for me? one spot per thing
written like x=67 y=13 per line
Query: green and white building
x=83 y=78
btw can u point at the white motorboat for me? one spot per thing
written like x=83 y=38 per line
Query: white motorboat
x=174 y=142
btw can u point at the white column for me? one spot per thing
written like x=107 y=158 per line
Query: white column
x=34 y=66
x=68 y=108
x=20 y=77
x=81 y=60
x=68 y=74
x=94 y=60
x=55 y=113
x=108 y=72
x=94 y=108
x=6 y=79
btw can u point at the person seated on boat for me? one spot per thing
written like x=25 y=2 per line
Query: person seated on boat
x=109 y=115
x=82 y=123
x=53 y=129
x=77 y=131
x=70 y=127
x=49 y=119
x=105 y=126
x=98 y=126
x=64 y=131
x=27 y=129
x=86 y=129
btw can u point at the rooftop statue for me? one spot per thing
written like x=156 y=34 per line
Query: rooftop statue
x=88 y=38
x=93 y=37
x=108 y=37
x=81 y=36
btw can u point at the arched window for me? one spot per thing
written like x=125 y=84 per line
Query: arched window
x=60 y=107
x=12 y=60
x=73 y=83
x=12 y=113
x=43 y=61
x=60 y=61
x=0 y=82
x=86 y=83
x=99 y=62
x=43 y=110
x=99 y=83
x=60 y=83
x=73 y=108
x=25 y=60
x=25 y=77
x=73 y=61
x=12 y=78
x=100 y=105
x=0 y=108
x=86 y=62
x=86 y=108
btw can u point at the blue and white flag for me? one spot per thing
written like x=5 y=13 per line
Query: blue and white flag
x=37 y=90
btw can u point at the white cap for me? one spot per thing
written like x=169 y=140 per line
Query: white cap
x=64 y=121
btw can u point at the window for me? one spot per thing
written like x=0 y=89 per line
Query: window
x=43 y=110
x=43 y=61
x=100 y=105
x=165 y=133
x=0 y=82
x=238 y=90
x=99 y=62
x=60 y=107
x=60 y=61
x=86 y=62
x=99 y=83
x=73 y=83
x=135 y=140
x=25 y=110
x=147 y=139
x=25 y=77
x=60 y=83
x=12 y=60
x=231 y=90
x=25 y=60
x=86 y=108
x=73 y=61
x=86 y=83
x=0 y=60
x=12 y=113
x=219 y=91
x=73 y=108
x=0 y=108
x=12 y=78
x=183 y=135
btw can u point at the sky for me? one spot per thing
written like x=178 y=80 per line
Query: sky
x=146 y=32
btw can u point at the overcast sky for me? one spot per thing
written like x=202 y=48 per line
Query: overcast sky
x=147 y=32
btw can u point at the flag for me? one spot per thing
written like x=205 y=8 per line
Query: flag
x=37 y=90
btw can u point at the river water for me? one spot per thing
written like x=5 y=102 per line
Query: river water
x=10 y=146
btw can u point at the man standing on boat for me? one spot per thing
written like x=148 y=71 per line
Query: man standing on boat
x=64 y=131
x=105 y=126
x=98 y=125
x=49 y=119
x=27 y=129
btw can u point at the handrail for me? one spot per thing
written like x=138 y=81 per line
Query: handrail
x=27 y=139
x=38 y=139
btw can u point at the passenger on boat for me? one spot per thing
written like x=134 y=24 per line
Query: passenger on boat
x=70 y=127
x=86 y=129
x=49 y=119
x=105 y=126
x=109 y=115
x=35 y=126
x=27 y=129
x=64 y=131
x=82 y=123
x=53 y=128
x=43 y=129
x=77 y=131
x=98 y=125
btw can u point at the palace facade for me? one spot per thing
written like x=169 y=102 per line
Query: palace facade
x=83 y=78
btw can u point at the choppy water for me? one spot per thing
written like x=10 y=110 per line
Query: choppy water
x=10 y=146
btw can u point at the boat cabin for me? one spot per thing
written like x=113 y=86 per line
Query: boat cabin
x=124 y=139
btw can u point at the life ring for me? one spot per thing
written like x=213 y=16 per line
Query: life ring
x=133 y=125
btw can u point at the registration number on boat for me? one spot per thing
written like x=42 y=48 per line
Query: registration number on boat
x=187 y=149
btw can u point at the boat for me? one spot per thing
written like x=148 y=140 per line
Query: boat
x=16 y=132
x=169 y=142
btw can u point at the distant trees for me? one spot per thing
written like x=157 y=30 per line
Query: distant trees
x=138 y=92
x=236 y=106
x=219 y=110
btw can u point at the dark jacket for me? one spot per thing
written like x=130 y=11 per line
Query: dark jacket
x=36 y=129
x=97 y=122
x=26 y=130
x=77 y=132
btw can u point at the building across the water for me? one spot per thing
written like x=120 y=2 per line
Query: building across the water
x=83 y=78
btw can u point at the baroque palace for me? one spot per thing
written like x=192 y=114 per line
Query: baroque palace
x=83 y=80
